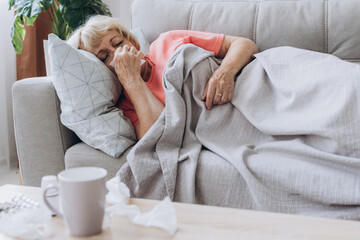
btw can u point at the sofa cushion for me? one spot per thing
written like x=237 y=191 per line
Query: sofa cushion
x=325 y=26
x=144 y=44
x=88 y=92
x=82 y=155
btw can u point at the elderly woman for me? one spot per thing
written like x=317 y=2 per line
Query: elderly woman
x=144 y=96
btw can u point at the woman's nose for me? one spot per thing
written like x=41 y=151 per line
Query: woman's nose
x=112 y=51
x=111 y=54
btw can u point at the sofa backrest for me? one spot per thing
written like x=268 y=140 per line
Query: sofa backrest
x=330 y=26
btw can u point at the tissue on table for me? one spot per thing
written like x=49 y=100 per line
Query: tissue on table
x=163 y=215
x=118 y=191
x=27 y=224
x=31 y=223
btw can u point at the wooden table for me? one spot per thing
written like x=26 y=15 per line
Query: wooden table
x=204 y=222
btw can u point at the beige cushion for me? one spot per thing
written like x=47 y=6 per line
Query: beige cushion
x=319 y=25
x=81 y=155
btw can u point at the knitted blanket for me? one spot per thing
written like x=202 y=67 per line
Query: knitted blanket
x=288 y=142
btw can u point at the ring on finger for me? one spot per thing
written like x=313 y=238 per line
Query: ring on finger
x=218 y=94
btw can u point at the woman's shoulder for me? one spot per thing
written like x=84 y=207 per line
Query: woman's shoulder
x=174 y=33
x=172 y=36
x=180 y=33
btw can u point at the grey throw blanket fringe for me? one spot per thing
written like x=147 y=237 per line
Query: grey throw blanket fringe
x=288 y=142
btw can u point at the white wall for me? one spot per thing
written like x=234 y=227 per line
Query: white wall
x=7 y=78
x=120 y=9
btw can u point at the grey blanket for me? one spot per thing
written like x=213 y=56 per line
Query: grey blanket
x=289 y=141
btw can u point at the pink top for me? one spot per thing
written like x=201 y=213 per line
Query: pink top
x=160 y=52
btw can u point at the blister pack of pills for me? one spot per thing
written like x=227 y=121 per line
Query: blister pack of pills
x=16 y=204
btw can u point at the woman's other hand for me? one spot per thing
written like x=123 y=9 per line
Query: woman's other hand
x=127 y=65
x=236 y=52
x=220 y=88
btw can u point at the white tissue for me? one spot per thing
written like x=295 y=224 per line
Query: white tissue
x=32 y=223
x=163 y=215
x=142 y=61
x=27 y=224
x=112 y=63
x=118 y=191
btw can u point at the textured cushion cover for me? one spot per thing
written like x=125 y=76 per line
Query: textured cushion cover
x=82 y=155
x=319 y=25
x=144 y=44
x=88 y=91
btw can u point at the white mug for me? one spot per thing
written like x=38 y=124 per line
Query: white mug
x=82 y=199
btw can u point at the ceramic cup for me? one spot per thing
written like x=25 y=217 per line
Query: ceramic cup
x=81 y=198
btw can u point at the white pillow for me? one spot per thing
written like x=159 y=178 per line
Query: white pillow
x=144 y=44
x=88 y=92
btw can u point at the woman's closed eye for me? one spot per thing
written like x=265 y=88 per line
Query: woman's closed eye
x=118 y=44
x=105 y=56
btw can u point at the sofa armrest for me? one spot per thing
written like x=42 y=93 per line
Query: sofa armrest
x=41 y=139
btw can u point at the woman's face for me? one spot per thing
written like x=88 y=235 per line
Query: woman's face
x=109 y=43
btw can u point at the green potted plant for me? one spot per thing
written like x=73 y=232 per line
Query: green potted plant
x=65 y=16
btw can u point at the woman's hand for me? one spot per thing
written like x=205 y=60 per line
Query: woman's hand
x=148 y=108
x=127 y=65
x=236 y=52
x=219 y=89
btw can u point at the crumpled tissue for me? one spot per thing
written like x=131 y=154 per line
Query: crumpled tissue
x=27 y=224
x=31 y=223
x=163 y=215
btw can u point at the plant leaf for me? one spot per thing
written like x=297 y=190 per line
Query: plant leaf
x=74 y=17
x=59 y=25
x=24 y=8
x=18 y=34
x=30 y=21
x=36 y=8
x=12 y=3
x=47 y=4
x=72 y=4
x=100 y=8
x=75 y=4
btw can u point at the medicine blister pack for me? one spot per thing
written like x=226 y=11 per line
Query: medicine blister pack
x=16 y=204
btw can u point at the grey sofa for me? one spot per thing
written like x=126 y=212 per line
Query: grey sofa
x=46 y=147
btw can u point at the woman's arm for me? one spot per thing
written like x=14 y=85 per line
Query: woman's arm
x=236 y=53
x=148 y=108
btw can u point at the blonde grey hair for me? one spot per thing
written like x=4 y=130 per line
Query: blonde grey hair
x=89 y=35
